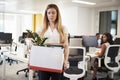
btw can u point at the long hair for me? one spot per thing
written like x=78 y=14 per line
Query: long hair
x=58 y=23
x=109 y=38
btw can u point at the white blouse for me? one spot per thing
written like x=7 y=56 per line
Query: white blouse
x=52 y=35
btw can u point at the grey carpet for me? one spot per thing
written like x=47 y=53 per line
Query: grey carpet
x=11 y=72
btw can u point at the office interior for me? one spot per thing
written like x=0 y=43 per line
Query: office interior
x=17 y=16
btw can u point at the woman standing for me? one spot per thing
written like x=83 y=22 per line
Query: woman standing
x=57 y=35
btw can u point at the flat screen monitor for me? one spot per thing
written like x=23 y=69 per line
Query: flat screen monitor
x=6 y=38
x=1 y=35
x=89 y=41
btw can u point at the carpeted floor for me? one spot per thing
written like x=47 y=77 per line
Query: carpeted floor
x=11 y=73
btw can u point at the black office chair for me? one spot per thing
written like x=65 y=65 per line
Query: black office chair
x=111 y=61
x=76 y=68
x=26 y=70
x=117 y=40
x=112 y=58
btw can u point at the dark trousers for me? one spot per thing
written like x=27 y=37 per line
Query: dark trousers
x=43 y=75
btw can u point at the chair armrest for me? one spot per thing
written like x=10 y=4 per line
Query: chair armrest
x=87 y=58
x=99 y=61
x=117 y=59
x=81 y=64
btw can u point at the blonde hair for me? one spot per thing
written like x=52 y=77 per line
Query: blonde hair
x=58 y=23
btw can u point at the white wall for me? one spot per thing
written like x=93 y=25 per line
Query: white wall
x=85 y=21
x=70 y=19
x=78 y=20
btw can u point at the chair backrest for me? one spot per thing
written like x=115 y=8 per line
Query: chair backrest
x=117 y=40
x=75 y=41
x=76 y=61
x=111 y=54
x=76 y=54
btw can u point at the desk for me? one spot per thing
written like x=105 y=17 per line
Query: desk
x=15 y=57
x=92 y=54
x=3 y=45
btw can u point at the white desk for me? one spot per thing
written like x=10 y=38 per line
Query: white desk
x=92 y=54
x=2 y=45
x=15 y=57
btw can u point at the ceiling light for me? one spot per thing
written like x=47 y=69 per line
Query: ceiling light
x=83 y=2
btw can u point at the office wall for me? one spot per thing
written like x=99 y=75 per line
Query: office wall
x=70 y=19
x=84 y=21
x=78 y=20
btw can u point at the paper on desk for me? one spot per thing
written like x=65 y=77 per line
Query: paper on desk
x=46 y=58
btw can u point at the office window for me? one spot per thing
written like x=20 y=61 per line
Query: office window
x=108 y=22
x=15 y=24
x=1 y=22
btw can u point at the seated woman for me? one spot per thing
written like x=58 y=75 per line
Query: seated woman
x=107 y=40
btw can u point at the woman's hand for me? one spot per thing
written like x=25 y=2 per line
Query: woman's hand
x=97 y=53
x=65 y=64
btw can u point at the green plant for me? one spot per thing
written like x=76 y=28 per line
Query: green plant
x=36 y=39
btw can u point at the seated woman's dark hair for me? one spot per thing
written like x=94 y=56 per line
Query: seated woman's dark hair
x=109 y=38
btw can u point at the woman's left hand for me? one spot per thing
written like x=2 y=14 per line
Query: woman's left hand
x=65 y=65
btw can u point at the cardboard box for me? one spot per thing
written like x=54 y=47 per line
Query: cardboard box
x=47 y=58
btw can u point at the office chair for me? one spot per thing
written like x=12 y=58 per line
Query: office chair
x=76 y=68
x=26 y=46
x=112 y=58
x=111 y=61
x=22 y=49
x=117 y=40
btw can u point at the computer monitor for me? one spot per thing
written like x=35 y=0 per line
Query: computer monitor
x=1 y=35
x=89 y=41
x=8 y=38
x=5 y=38
x=1 y=38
